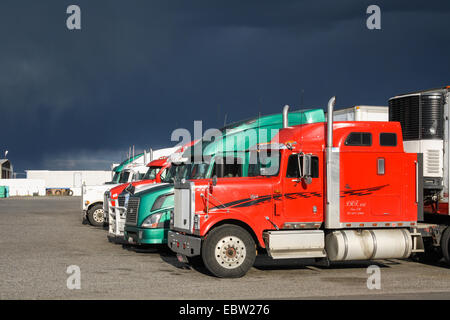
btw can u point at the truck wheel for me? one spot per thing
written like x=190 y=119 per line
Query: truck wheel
x=228 y=251
x=95 y=215
x=445 y=244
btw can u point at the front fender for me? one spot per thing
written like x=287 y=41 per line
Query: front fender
x=221 y=216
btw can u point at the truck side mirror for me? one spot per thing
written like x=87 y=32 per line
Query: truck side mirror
x=304 y=164
x=214 y=180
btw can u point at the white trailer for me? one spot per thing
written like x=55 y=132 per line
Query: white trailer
x=69 y=179
x=362 y=113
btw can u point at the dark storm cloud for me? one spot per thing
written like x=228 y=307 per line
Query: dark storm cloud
x=139 y=69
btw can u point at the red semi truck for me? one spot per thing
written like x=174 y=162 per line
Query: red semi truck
x=337 y=191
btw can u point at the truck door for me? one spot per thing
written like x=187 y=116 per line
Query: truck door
x=302 y=203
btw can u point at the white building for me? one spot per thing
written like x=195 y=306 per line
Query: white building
x=68 y=179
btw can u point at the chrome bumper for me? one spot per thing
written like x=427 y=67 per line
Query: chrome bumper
x=186 y=245
x=116 y=220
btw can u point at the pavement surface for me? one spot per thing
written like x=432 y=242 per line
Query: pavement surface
x=41 y=237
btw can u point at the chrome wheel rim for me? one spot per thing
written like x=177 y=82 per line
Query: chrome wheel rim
x=230 y=252
x=98 y=215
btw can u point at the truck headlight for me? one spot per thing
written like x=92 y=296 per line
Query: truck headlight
x=152 y=221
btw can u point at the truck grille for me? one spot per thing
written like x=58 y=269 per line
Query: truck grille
x=132 y=210
x=121 y=200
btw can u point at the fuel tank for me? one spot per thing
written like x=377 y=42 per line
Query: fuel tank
x=368 y=244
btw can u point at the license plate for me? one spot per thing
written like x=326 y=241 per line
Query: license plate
x=181 y=258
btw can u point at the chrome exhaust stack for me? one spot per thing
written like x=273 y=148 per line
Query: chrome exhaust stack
x=332 y=215
x=331 y=104
x=285 y=116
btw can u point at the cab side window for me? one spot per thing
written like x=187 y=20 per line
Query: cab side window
x=293 y=170
x=164 y=174
x=388 y=139
x=362 y=139
x=227 y=168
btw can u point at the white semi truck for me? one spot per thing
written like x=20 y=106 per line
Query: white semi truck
x=130 y=170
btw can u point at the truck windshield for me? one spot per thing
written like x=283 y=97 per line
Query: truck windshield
x=116 y=177
x=124 y=175
x=197 y=170
x=264 y=163
x=176 y=172
x=151 y=173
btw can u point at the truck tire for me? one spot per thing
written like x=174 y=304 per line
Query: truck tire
x=445 y=245
x=95 y=215
x=228 y=251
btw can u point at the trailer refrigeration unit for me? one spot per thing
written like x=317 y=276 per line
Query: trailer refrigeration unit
x=336 y=191
x=424 y=118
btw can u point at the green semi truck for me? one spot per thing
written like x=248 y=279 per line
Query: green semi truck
x=148 y=211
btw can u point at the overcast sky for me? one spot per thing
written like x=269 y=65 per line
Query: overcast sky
x=137 y=70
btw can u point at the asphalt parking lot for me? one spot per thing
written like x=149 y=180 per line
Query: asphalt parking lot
x=41 y=237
